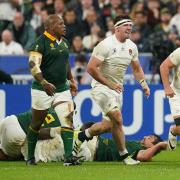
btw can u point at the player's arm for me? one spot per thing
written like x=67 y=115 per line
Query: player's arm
x=35 y=59
x=72 y=82
x=146 y=155
x=49 y=133
x=139 y=76
x=93 y=69
x=165 y=68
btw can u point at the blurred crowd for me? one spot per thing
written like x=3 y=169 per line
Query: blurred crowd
x=156 y=26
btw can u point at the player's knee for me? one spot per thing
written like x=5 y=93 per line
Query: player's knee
x=115 y=117
x=99 y=130
x=64 y=112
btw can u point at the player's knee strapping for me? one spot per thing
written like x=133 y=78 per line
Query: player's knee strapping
x=177 y=121
x=64 y=112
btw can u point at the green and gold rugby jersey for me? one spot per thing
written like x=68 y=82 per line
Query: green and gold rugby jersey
x=25 y=119
x=108 y=151
x=55 y=61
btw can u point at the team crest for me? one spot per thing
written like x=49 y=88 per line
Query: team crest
x=130 y=51
x=52 y=45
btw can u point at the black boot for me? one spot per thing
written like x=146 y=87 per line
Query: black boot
x=31 y=162
x=71 y=161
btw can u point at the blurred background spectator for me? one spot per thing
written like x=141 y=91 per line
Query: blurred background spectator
x=79 y=70
x=91 y=39
x=8 y=46
x=72 y=25
x=22 y=31
x=59 y=7
x=35 y=14
x=44 y=15
x=5 y=78
x=77 y=45
x=156 y=28
x=175 y=21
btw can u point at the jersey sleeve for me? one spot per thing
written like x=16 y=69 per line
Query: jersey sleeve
x=175 y=57
x=100 y=51
x=37 y=46
x=135 y=54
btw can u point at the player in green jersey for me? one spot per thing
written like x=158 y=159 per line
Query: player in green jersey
x=53 y=86
x=13 y=130
x=105 y=149
x=13 y=134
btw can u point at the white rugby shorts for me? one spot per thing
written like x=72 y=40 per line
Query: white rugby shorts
x=107 y=99
x=41 y=101
x=174 y=103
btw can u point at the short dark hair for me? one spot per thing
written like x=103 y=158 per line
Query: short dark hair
x=121 y=17
x=157 y=139
x=86 y=126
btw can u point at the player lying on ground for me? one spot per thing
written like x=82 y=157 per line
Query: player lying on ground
x=105 y=149
x=13 y=131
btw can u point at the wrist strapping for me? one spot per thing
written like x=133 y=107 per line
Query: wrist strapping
x=35 y=70
x=43 y=82
x=143 y=83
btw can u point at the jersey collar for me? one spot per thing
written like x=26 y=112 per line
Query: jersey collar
x=52 y=38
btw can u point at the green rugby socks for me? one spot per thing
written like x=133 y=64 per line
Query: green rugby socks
x=32 y=137
x=67 y=137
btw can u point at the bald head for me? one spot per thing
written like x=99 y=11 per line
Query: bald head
x=7 y=36
x=51 y=20
x=55 y=26
x=18 y=19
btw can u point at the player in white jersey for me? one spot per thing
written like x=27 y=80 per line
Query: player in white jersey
x=172 y=91
x=107 y=66
x=13 y=137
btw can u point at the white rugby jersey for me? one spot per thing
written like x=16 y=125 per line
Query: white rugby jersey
x=175 y=59
x=115 y=57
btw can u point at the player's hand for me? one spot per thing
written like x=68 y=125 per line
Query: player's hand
x=48 y=88
x=146 y=91
x=115 y=86
x=73 y=87
x=169 y=92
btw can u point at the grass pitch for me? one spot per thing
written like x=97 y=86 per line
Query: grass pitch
x=165 y=166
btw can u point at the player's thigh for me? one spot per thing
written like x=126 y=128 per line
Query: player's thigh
x=40 y=100
x=64 y=107
x=174 y=103
x=107 y=99
x=62 y=97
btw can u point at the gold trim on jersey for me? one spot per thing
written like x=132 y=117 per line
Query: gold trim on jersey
x=66 y=129
x=51 y=37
